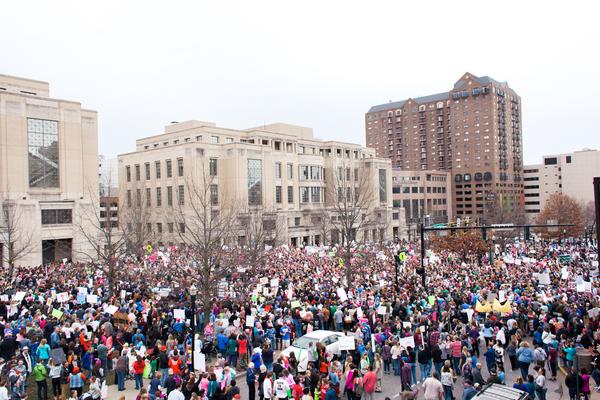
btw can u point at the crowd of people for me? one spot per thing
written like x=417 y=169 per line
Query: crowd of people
x=533 y=309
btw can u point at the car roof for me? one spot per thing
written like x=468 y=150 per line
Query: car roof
x=320 y=334
x=500 y=392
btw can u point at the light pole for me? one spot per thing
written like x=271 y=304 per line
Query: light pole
x=193 y=291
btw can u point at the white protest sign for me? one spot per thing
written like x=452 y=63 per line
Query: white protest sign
x=111 y=309
x=250 y=321
x=359 y=312
x=62 y=297
x=407 y=342
x=275 y=282
x=179 y=314
x=264 y=281
x=406 y=325
x=19 y=296
x=544 y=278
x=564 y=273
x=347 y=343
x=82 y=290
x=381 y=310
x=470 y=313
x=342 y=294
x=92 y=299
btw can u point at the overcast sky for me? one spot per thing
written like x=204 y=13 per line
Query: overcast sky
x=322 y=64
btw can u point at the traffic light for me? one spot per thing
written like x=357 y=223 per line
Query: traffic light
x=527 y=233
x=484 y=234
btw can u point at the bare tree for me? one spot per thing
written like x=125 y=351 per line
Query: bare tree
x=322 y=220
x=206 y=222
x=350 y=197
x=109 y=243
x=497 y=213
x=562 y=209
x=15 y=236
x=589 y=215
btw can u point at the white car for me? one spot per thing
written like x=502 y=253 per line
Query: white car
x=329 y=339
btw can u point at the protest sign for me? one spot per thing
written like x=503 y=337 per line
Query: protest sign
x=62 y=297
x=250 y=321
x=275 y=282
x=111 y=309
x=381 y=310
x=431 y=300
x=264 y=281
x=341 y=292
x=92 y=298
x=179 y=314
x=296 y=304
x=407 y=342
x=19 y=296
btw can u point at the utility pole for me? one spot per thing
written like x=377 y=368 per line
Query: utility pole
x=597 y=201
x=422 y=271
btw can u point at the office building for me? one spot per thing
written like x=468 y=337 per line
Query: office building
x=279 y=169
x=108 y=176
x=48 y=173
x=472 y=131
x=569 y=173
x=423 y=195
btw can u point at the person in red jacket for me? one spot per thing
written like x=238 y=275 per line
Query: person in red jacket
x=138 y=372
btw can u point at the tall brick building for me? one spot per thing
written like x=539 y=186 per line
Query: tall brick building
x=472 y=131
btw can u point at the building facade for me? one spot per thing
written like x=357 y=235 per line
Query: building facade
x=279 y=170
x=423 y=195
x=108 y=176
x=569 y=173
x=48 y=173
x=472 y=131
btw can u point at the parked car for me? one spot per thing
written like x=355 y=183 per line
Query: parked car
x=301 y=345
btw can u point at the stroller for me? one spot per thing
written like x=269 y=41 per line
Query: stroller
x=209 y=349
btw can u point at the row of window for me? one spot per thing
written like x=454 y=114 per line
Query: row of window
x=212 y=166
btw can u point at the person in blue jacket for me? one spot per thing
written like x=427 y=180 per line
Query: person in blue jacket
x=524 y=357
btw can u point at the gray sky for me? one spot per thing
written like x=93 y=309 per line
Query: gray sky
x=142 y=64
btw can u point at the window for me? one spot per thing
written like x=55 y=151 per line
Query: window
x=382 y=185
x=277 y=170
x=550 y=161
x=54 y=217
x=42 y=140
x=290 y=171
x=137 y=172
x=214 y=139
x=304 y=194
x=181 y=227
x=169 y=169
x=170 y=196
x=214 y=195
x=316 y=173
x=181 y=195
x=147 y=171
x=303 y=172
x=254 y=182
x=212 y=166
x=315 y=194
x=138 y=197
x=148 y=197
x=157 y=166
x=159 y=227
x=170 y=227
x=128 y=198
x=297 y=221
x=278 y=194
x=128 y=173
x=180 y=167
x=229 y=140
x=290 y=194
x=158 y=197
x=568 y=159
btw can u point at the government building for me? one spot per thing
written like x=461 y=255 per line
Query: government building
x=48 y=174
x=292 y=182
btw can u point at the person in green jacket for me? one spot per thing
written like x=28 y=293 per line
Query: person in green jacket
x=232 y=352
x=39 y=374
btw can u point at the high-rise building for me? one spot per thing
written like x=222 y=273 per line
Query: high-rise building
x=108 y=176
x=569 y=173
x=48 y=174
x=279 y=171
x=472 y=131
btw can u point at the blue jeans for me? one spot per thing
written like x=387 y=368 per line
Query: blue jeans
x=447 y=392
x=524 y=367
x=163 y=372
x=456 y=365
x=396 y=364
x=413 y=372
x=438 y=368
x=425 y=370
x=339 y=327
x=121 y=380
x=139 y=381
x=386 y=366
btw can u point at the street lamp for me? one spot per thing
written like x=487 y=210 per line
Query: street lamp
x=193 y=292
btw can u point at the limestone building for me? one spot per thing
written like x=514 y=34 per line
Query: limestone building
x=279 y=171
x=48 y=173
